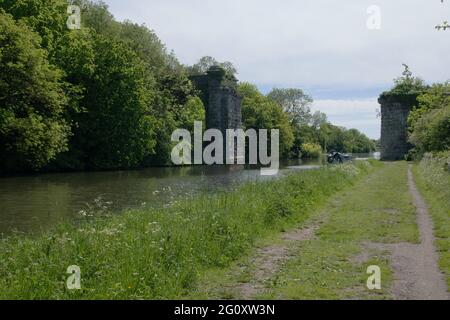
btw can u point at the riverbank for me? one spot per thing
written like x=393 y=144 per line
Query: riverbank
x=164 y=253
x=36 y=204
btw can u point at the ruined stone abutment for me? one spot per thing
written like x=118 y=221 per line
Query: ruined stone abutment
x=395 y=109
x=221 y=100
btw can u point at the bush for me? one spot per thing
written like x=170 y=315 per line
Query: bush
x=430 y=121
x=311 y=150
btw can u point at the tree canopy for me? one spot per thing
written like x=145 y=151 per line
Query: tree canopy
x=32 y=125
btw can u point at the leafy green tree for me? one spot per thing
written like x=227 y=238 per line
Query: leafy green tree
x=429 y=123
x=260 y=112
x=407 y=84
x=113 y=122
x=117 y=128
x=46 y=17
x=311 y=150
x=351 y=141
x=32 y=101
x=295 y=103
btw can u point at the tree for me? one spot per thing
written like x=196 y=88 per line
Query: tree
x=429 y=122
x=311 y=150
x=318 y=119
x=260 y=112
x=295 y=103
x=407 y=84
x=46 y=17
x=32 y=101
x=117 y=129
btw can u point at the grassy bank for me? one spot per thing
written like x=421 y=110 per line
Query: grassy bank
x=433 y=179
x=333 y=264
x=161 y=253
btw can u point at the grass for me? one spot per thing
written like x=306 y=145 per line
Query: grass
x=433 y=181
x=162 y=253
x=378 y=209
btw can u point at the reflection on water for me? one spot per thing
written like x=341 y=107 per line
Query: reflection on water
x=35 y=203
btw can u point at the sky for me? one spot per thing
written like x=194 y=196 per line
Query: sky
x=342 y=53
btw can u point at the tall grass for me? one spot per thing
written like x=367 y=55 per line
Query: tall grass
x=433 y=179
x=160 y=253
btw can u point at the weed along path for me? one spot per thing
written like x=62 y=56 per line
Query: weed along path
x=380 y=222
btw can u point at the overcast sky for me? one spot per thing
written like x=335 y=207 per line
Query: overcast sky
x=321 y=46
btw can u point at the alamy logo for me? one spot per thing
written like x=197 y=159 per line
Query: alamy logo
x=74 y=19
x=374 y=20
x=229 y=150
x=74 y=280
x=374 y=280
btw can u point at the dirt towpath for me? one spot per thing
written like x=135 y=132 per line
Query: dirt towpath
x=416 y=271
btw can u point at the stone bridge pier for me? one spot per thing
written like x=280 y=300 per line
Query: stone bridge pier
x=395 y=110
x=222 y=102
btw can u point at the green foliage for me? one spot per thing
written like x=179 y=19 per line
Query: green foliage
x=314 y=128
x=32 y=101
x=311 y=150
x=193 y=110
x=407 y=84
x=184 y=117
x=116 y=131
x=46 y=17
x=205 y=63
x=331 y=137
x=295 y=103
x=260 y=112
x=429 y=122
x=358 y=142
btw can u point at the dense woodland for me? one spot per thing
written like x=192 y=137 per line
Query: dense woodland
x=109 y=95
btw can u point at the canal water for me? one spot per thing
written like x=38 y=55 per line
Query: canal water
x=31 y=204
